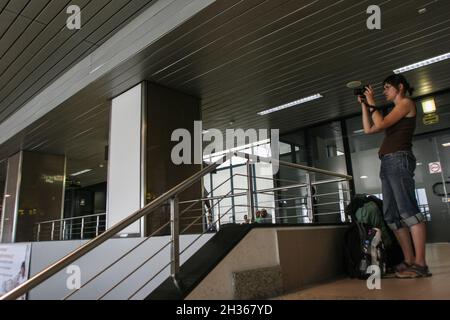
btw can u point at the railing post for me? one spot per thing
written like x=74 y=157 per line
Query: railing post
x=97 y=226
x=341 y=201
x=64 y=230
x=38 y=232
x=53 y=231
x=175 y=237
x=250 y=191
x=82 y=229
x=309 y=199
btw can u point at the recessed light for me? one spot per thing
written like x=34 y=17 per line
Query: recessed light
x=428 y=106
x=354 y=84
x=423 y=63
x=291 y=104
x=80 y=173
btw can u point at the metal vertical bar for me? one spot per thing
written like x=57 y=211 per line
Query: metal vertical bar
x=218 y=214
x=53 y=230
x=61 y=229
x=233 y=208
x=38 y=232
x=250 y=202
x=309 y=200
x=175 y=237
x=341 y=201
x=97 y=226
x=64 y=230
x=348 y=192
x=82 y=229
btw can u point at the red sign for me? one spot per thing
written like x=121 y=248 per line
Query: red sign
x=435 y=167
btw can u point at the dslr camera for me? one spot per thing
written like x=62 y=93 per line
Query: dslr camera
x=359 y=92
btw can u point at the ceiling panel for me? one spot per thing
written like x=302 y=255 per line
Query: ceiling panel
x=37 y=47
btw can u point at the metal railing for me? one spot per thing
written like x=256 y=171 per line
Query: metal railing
x=210 y=216
x=79 y=228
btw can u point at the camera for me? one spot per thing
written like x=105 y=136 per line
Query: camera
x=360 y=91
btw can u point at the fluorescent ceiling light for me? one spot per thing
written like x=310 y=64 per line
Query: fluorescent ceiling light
x=364 y=177
x=428 y=106
x=358 y=131
x=446 y=145
x=291 y=104
x=96 y=69
x=340 y=153
x=423 y=63
x=80 y=173
x=7 y=195
x=236 y=149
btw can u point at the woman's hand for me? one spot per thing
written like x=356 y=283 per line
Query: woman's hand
x=370 y=96
x=360 y=99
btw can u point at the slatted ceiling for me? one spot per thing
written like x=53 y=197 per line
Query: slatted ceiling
x=206 y=41
x=332 y=83
x=63 y=50
x=114 y=24
x=235 y=50
x=3 y=4
x=242 y=57
x=34 y=45
x=264 y=72
x=20 y=26
x=72 y=130
x=39 y=53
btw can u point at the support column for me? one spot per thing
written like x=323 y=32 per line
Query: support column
x=34 y=192
x=167 y=111
x=126 y=168
x=140 y=147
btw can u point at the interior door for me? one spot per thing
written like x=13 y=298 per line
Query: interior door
x=433 y=183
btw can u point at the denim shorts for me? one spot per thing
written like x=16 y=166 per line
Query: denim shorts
x=399 y=197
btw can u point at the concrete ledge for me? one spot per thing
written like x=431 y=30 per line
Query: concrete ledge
x=258 y=283
x=304 y=255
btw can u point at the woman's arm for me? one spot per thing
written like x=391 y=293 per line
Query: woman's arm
x=399 y=112
x=369 y=127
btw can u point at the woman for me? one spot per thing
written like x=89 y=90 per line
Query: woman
x=398 y=164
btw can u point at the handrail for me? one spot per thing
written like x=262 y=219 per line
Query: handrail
x=86 y=248
x=73 y=218
x=292 y=165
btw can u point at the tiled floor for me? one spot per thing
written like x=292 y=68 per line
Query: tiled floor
x=434 y=288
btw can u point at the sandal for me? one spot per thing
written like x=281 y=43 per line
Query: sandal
x=403 y=266
x=413 y=272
